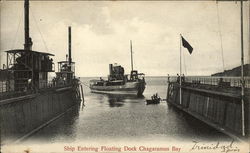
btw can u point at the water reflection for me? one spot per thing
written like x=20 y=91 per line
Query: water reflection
x=116 y=100
x=63 y=128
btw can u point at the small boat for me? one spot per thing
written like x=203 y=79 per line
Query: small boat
x=154 y=100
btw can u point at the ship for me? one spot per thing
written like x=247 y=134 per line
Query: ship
x=28 y=99
x=120 y=83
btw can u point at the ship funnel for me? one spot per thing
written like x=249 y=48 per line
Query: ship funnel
x=28 y=41
x=110 y=69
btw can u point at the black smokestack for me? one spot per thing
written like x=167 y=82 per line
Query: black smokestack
x=110 y=69
x=70 y=59
x=27 y=40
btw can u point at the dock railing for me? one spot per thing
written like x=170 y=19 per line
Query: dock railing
x=6 y=92
x=216 y=81
x=53 y=84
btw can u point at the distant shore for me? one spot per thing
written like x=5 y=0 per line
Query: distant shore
x=236 y=72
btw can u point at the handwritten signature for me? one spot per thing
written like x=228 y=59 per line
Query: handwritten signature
x=215 y=146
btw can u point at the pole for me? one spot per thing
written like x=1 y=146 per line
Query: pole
x=242 y=71
x=180 y=69
x=131 y=55
x=82 y=95
x=26 y=24
x=27 y=39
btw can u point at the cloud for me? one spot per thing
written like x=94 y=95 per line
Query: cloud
x=101 y=31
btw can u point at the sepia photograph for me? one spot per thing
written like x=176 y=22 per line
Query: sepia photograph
x=143 y=76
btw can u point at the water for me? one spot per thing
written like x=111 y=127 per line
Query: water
x=117 y=118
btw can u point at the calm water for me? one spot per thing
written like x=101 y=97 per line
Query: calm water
x=122 y=118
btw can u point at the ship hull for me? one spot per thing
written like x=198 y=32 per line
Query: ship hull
x=130 y=88
x=24 y=115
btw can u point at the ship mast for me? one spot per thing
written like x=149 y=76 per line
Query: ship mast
x=27 y=40
x=242 y=70
x=131 y=55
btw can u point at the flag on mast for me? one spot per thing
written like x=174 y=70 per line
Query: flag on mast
x=187 y=45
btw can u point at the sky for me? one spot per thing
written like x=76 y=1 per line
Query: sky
x=102 y=30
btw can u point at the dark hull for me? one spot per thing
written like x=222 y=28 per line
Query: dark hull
x=155 y=101
x=22 y=116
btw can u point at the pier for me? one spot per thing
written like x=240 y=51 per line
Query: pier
x=213 y=100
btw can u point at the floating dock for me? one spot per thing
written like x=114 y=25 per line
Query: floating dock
x=21 y=116
x=215 y=103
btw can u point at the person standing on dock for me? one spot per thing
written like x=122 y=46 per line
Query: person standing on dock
x=178 y=78
x=183 y=78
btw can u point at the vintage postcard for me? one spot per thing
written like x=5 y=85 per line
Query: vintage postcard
x=124 y=76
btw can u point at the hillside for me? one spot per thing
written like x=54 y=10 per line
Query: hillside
x=235 y=71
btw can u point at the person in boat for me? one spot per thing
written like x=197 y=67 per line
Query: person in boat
x=155 y=96
x=152 y=97
x=168 y=78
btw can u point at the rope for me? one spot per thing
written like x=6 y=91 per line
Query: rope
x=248 y=25
x=85 y=84
x=39 y=31
x=221 y=45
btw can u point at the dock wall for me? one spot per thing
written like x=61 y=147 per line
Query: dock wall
x=212 y=105
x=21 y=115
